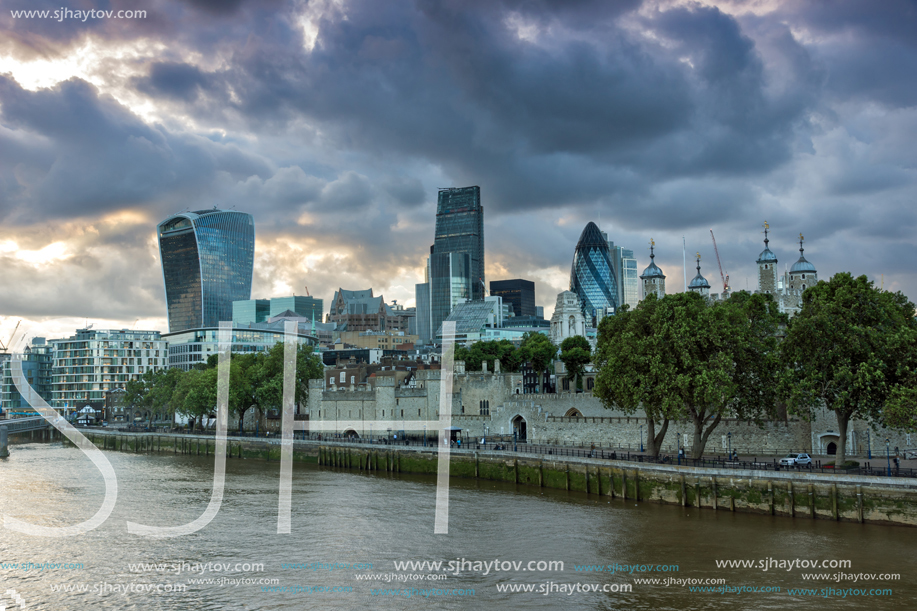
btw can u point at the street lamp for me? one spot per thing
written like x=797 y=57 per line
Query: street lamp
x=678 y=438
x=514 y=440
x=641 y=437
x=888 y=457
x=729 y=447
x=868 y=446
x=425 y=435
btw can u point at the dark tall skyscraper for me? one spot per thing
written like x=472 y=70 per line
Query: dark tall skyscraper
x=207 y=262
x=519 y=293
x=593 y=277
x=457 y=259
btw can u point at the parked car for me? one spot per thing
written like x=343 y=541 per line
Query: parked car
x=803 y=460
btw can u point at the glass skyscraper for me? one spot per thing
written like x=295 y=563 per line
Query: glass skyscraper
x=592 y=277
x=518 y=293
x=457 y=258
x=627 y=278
x=207 y=262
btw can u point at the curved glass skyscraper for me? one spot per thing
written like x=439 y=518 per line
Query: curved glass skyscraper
x=207 y=262
x=592 y=277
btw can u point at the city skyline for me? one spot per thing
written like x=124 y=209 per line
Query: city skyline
x=649 y=131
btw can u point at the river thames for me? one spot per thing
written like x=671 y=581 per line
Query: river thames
x=352 y=534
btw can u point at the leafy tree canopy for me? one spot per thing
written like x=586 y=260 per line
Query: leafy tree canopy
x=852 y=349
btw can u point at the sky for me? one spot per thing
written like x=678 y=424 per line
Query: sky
x=334 y=122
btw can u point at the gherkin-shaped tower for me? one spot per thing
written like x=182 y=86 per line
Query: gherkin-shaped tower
x=592 y=277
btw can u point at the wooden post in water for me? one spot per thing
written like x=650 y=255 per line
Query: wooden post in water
x=860 y=504
x=4 y=442
x=834 y=501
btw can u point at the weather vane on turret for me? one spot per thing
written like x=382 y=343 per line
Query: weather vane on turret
x=766 y=227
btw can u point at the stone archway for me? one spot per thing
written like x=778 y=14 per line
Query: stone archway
x=351 y=433
x=827 y=444
x=573 y=413
x=520 y=428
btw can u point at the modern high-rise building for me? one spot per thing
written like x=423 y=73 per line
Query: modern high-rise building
x=207 y=262
x=457 y=257
x=36 y=368
x=625 y=267
x=260 y=310
x=94 y=361
x=518 y=293
x=592 y=276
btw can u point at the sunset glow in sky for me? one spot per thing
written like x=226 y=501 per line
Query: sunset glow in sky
x=334 y=122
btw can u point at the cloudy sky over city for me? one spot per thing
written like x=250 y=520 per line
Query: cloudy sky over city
x=334 y=122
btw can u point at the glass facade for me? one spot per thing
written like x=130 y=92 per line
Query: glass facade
x=207 y=262
x=193 y=346
x=251 y=310
x=592 y=276
x=627 y=278
x=304 y=305
x=37 y=362
x=450 y=286
x=422 y=324
x=459 y=231
x=520 y=294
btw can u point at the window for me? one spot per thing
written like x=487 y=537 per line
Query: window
x=418 y=413
x=352 y=378
x=343 y=377
x=402 y=413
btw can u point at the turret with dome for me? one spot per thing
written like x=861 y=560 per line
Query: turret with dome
x=699 y=284
x=653 y=278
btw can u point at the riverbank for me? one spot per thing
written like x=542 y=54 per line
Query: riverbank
x=792 y=494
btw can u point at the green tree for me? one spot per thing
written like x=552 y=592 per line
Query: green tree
x=576 y=353
x=635 y=369
x=851 y=349
x=138 y=393
x=195 y=394
x=683 y=358
x=539 y=350
x=503 y=350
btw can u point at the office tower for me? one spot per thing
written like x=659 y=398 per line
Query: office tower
x=36 y=368
x=457 y=257
x=518 y=293
x=207 y=263
x=592 y=276
x=262 y=310
x=251 y=310
x=625 y=266
x=361 y=311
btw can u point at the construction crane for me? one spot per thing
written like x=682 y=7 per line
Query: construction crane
x=723 y=276
x=9 y=343
x=307 y=292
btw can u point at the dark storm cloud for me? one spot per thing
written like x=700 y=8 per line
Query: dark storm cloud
x=88 y=154
x=173 y=80
x=589 y=111
x=666 y=120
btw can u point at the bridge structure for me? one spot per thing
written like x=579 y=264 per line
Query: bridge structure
x=24 y=425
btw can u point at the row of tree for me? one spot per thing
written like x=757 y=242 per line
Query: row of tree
x=537 y=349
x=255 y=382
x=852 y=349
